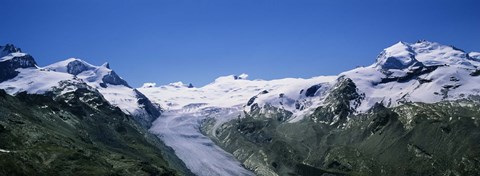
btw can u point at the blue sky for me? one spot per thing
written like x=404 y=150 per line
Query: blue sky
x=196 y=41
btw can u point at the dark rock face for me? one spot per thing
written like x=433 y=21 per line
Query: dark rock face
x=8 y=67
x=475 y=73
x=312 y=90
x=76 y=67
x=412 y=139
x=153 y=111
x=411 y=74
x=394 y=63
x=7 y=49
x=113 y=79
x=338 y=103
x=251 y=100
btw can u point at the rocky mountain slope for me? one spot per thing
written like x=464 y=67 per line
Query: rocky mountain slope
x=418 y=72
x=77 y=133
x=186 y=108
x=20 y=73
x=356 y=123
x=410 y=139
x=414 y=111
x=73 y=118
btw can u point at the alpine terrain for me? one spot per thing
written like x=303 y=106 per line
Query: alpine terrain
x=414 y=111
x=73 y=118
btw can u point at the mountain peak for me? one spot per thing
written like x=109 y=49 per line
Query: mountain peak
x=106 y=65
x=426 y=44
x=149 y=85
x=11 y=58
x=77 y=66
x=73 y=66
x=9 y=48
x=178 y=84
x=9 y=51
x=242 y=76
x=423 y=41
x=398 y=56
x=404 y=55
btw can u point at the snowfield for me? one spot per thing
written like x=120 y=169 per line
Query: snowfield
x=405 y=72
x=232 y=91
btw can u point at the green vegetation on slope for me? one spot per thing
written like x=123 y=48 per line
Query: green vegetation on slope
x=412 y=139
x=78 y=133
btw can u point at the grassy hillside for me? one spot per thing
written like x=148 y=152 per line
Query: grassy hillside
x=78 y=133
x=413 y=139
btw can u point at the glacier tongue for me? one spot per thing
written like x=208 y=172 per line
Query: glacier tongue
x=180 y=129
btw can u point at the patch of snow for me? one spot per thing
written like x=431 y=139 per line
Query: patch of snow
x=149 y=85
x=123 y=97
x=5 y=151
x=243 y=76
x=178 y=84
x=474 y=55
x=11 y=56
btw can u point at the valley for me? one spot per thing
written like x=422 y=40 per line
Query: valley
x=414 y=111
x=181 y=131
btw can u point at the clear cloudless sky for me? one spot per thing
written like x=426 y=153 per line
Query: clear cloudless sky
x=195 y=41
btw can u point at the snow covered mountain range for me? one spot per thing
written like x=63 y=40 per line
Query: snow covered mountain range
x=405 y=72
x=20 y=73
x=424 y=71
